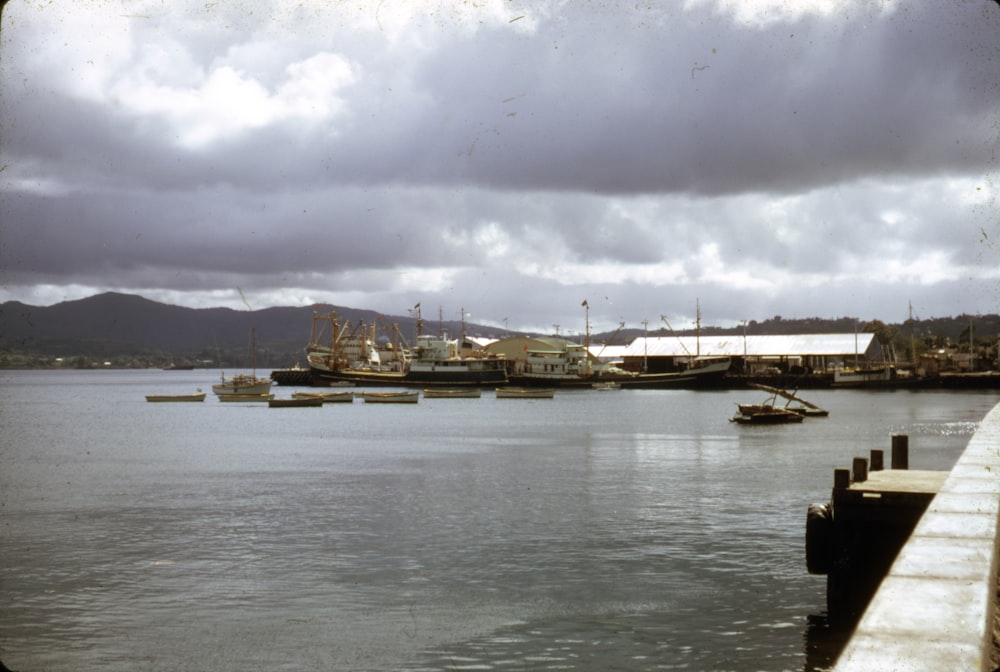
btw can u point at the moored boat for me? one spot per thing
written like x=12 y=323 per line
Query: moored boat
x=569 y=368
x=525 y=392
x=326 y=397
x=390 y=397
x=240 y=384
x=452 y=393
x=767 y=416
x=350 y=356
x=295 y=403
x=573 y=365
x=244 y=383
x=245 y=397
x=879 y=376
x=198 y=396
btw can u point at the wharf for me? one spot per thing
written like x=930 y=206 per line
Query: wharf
x=936 y=609
x=872 y=512
x=303 y=377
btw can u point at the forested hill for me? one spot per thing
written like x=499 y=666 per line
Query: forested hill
x=132 y=331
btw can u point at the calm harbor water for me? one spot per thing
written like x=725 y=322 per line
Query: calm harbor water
x=623 y=530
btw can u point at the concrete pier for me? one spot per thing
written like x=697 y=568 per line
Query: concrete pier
x=935 y=609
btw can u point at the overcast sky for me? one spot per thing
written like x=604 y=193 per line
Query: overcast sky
x=511 y=158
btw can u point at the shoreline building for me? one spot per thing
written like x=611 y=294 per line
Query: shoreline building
x=760 y=354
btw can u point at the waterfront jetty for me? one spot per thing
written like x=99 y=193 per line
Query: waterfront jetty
x=872 y=512
x=937 y=607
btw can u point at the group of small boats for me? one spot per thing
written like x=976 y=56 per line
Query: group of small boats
x=794 y=410
x=243 y=388
x=303 y=399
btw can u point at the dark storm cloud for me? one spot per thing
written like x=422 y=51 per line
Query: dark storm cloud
x=725 y=110
x=605 y=103
x=649 y=156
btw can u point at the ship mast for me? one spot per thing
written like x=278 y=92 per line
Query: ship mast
x=697 y=328
x=253 y=354
x=419 y=321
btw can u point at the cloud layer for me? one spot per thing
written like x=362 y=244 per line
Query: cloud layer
x=823 y=158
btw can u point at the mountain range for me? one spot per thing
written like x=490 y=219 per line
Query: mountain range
x=135 y=331
x=123 y=325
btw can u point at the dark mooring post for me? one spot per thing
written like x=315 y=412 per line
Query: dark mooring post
x=878 y=460
x=860 y=469
x=900 y=451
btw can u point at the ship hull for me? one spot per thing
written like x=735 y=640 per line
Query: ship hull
x=436 y=378
x=709 y=375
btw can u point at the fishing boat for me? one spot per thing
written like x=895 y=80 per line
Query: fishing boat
x=349 y=355
x=198 y=396
x=525 y=393
x=326 y=397
x=390 y=397
x=876 y=376
x=244 y=383
x=248 y=398
x=452 y=393
x=573 y=365
x=295 y=403
x=767 y=416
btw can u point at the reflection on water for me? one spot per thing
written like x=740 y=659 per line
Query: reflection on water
x=637 y=530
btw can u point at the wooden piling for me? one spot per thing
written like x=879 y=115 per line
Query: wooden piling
x=860 y=470
x=900 y=451
x=878 y=460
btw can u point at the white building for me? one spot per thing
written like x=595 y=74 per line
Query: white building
x=802 y=352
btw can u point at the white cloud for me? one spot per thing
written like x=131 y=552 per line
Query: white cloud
x=763 y=13
x=229 y=102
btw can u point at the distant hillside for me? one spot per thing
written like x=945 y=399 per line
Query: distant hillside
x=112 y=325
x=132 y=331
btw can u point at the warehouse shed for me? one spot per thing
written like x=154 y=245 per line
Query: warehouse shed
x=757 y=354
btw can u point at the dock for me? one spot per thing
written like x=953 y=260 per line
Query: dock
x=936 y=606
x=872 y=512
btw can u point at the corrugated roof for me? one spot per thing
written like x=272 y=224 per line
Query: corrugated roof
x=608 y=352
x=830 y=345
